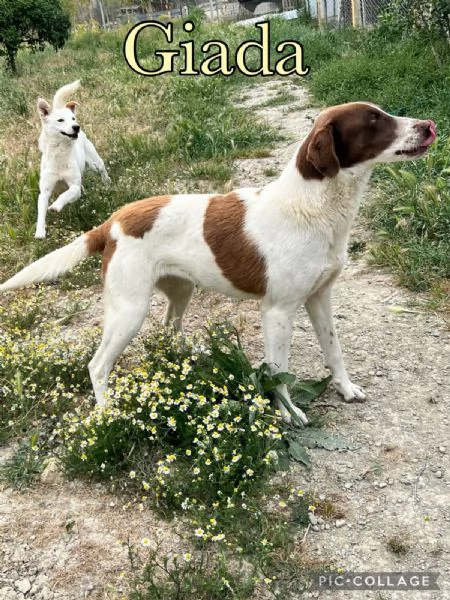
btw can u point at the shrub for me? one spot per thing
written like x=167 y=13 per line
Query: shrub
x=408 y=16
x=188 y=427
x=41 y=371
x=31 y=23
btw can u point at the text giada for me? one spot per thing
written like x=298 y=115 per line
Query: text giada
x=217 y=56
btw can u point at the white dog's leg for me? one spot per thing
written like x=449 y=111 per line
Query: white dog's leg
x=94 y=161
x=277 y=325
x=321 y=315
x=43 y=199
x=179 y=292
x=70 y=195
x=126 y=305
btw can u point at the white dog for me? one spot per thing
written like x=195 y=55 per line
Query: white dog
x=284 y=244
x=65 y=153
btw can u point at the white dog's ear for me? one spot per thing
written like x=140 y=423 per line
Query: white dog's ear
x=72 y=105
x=44 y=108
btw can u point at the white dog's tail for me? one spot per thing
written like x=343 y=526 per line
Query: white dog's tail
x=64 y=94
x=50 y=266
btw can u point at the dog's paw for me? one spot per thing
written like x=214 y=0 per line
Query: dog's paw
x=40 y=234
x=350 y=391
x=56 y=206
x=106 y=179
x=293 y=413
x=300 y=415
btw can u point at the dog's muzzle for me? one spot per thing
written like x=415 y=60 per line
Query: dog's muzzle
x=72 y=136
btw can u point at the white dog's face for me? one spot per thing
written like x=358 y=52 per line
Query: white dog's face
x=61 y=122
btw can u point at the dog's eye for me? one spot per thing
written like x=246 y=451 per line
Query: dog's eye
x=73 y=118
x=60 y=120
x=374 y=117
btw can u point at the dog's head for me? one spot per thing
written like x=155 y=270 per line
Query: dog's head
x=361 y=133
x=61 y=122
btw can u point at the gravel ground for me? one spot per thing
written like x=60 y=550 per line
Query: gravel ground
x=62 y=540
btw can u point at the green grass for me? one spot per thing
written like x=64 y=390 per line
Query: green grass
x=281 y=99
x=200 y=574
x=410 y=213
x=26 y=464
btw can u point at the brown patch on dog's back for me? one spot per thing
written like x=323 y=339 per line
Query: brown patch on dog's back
x=137 y=219
x=236 y=254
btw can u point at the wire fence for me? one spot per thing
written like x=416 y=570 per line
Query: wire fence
x=338 y=13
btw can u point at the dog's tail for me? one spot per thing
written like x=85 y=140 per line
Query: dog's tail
x=60 y=261
x=64 y=94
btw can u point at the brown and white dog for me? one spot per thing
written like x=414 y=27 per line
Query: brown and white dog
x=284 y=244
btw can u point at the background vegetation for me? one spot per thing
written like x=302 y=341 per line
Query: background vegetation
x=31 y=23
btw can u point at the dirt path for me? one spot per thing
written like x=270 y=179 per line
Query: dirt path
x=61 y=541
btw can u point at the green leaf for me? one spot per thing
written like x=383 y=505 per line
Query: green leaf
x=284 y=460
x=271 y=381
x=404 y=209
x=298 y=453
x=283 y=378
x=304 y=392
x=316 y=438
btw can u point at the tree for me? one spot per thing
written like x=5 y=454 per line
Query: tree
x=31 y=23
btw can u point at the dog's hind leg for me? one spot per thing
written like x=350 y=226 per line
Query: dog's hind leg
x=319 y=311
x=44 y=196
x=179 y=293
x=277 y=325
x=126 y=299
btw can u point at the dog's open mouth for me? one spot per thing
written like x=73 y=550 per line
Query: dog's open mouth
x=423 y=146
x=414 y=151
x=72 y=136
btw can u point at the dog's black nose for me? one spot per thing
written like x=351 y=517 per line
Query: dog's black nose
x=76 y=128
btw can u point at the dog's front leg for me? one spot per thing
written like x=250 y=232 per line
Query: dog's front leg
x=277 y=325
x=94 y=161
x=320 y=312
x=44 y=197
x=70 y=195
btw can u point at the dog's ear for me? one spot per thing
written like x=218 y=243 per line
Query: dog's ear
x=72 y=105
x=44 y=108
x=321 y=152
